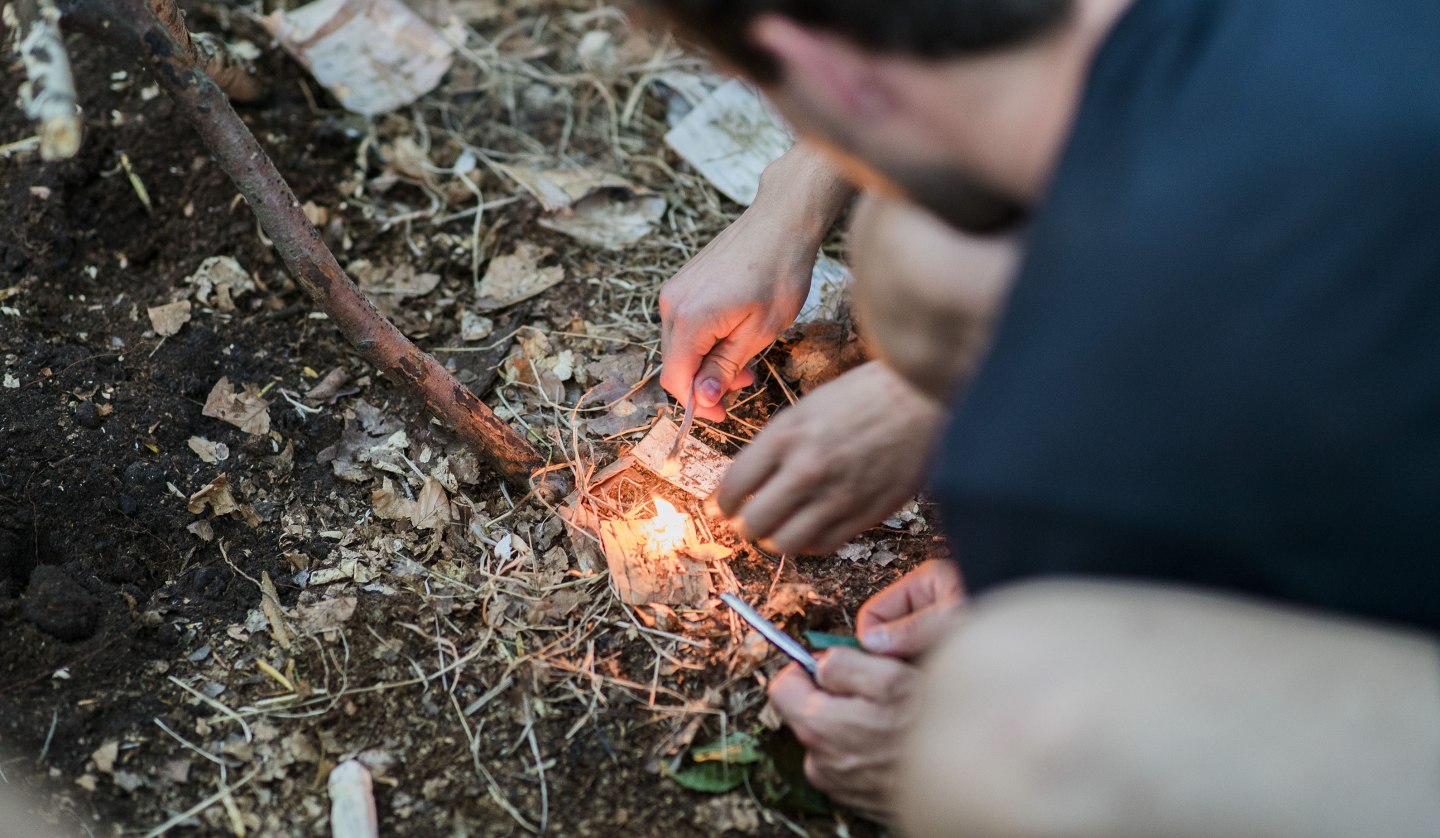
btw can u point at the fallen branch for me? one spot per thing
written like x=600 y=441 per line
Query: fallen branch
x=48 y=94
x=154 y=30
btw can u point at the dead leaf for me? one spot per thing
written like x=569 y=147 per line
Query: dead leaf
x=105 y=757
x=399 y=281
x=274 y=613
x=613 y=219
x=222 y=277
x=246 y=411
x=561 y=189
x=202 y=530
x=517 y=276
x=325 y=615
x=177 y=771
x=372 y=439
x=730 y=138
x=166 y=320
x=210 y=452
x=216 y=495
x=329 y=388
x=389 y=505
x=432 y=507
x=788 y=600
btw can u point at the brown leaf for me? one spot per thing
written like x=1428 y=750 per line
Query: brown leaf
x=325 y=615
x=390 y=506
x=216 y=495
x=399 y=281
x=166 y=320
x=328 y=389
x=517 y=276
x=432 y=507
x=246 y=411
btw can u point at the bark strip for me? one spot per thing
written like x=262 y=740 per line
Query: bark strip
x=150 y=29
x=48 y=94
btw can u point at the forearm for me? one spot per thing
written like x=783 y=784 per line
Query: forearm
x=803 y=191
x=1090 y=710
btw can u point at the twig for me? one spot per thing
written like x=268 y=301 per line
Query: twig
x=48 y=94
x=201 y=806
x=154 y=30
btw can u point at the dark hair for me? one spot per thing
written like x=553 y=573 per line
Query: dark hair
x=924 y=28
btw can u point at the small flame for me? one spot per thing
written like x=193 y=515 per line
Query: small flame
x=667 y=530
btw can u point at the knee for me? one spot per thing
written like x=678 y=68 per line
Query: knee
x=1006 y=740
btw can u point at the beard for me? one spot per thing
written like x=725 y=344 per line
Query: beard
x=953 y=195
x=957 y=198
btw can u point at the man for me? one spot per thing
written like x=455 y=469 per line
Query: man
x=1215 y=373
x=853 y=451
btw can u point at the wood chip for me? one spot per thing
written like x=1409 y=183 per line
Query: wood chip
x=641 y=578
x=274 y=613
x=374 y=55
x=701 y=467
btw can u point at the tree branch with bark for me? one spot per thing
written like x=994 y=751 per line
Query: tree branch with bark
x=154 y=32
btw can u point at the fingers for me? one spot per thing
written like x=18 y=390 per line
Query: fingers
x=775 y=503
x=795 y=695
x=851 y=672
x=911 y=635
x=805 y=531
x=931 y=581
x=752 y=467
x=682 y=352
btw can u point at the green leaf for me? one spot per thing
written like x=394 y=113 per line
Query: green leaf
x=820 y=641
x=712 y=777
x=738 y=748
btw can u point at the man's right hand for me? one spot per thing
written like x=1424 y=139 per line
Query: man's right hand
x=748 y=285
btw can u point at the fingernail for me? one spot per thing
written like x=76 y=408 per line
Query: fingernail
x=708 y=392
x=875 y=640
x=712 y=507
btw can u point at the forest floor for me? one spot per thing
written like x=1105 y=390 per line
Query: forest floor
x=198 y=621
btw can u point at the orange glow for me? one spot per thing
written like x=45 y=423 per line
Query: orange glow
x=666 y=532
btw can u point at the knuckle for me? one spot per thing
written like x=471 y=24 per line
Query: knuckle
x=809 y=472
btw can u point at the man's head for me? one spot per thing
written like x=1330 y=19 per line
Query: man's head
x=889 y=84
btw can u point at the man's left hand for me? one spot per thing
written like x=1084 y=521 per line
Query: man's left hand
x=851 y=725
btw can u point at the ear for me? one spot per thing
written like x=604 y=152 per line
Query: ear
x=847 y=78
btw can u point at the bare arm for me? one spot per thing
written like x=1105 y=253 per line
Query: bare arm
x=736 y=296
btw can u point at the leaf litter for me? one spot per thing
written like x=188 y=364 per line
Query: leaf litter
x=463 y=643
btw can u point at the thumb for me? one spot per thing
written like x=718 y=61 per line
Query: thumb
x=911 y=635
x=718 y=372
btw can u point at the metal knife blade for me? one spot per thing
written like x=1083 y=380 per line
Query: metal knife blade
x=773 y=633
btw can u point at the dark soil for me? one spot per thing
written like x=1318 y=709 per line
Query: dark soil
x=104 y=592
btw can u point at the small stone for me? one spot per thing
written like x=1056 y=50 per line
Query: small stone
x=87 y=415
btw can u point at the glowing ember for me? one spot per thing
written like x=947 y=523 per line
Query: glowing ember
x=666 y=532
